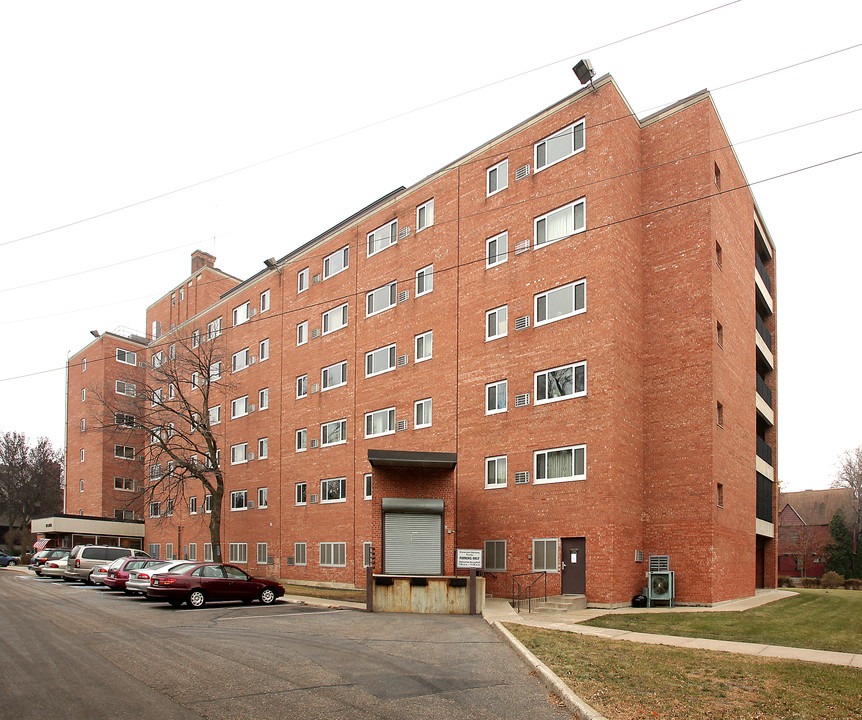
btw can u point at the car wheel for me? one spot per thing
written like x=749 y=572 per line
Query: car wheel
x=65 y=579
x=13 y=562
x=89 y=579
x=197 y=599
x=127 y=592
x=175 y=603
x=267 y=596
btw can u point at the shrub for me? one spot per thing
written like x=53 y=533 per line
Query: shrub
x=810 y=582
x=853 y=584
x=832 y=580
x=785 y=582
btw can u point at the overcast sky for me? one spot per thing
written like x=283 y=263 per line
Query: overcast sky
x=107 y=104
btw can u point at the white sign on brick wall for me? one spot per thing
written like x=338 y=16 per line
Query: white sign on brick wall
x=468 y=559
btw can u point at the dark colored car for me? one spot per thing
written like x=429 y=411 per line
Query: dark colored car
x=199 y=583
x=38 y=561
x=6 y=560
x=118 y=571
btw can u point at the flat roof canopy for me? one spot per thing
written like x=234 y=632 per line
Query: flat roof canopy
x=410 y=459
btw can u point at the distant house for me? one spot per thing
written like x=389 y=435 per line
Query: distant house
x=803 y=529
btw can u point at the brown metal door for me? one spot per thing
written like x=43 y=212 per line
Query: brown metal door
x=573 y=566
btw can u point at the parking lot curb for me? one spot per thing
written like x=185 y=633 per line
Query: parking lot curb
x=576 y=706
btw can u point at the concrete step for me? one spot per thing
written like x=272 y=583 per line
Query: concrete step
x=561 y=604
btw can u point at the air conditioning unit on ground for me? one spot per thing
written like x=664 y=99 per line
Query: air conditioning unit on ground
x=660 y=581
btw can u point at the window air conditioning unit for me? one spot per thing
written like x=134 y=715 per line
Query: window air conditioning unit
x=522 y=323
x=403 y=296
x=252 y=360
x=522 y=478
x=251 y=408
x=315 y=333
x=403 y=232
x=522 y=400
x=402 y=425
x=403 y=360
x=253 y=312
x=315 y=387
x=522 y=246
x=315 y=279
x=250 y=505
x=312 y=498
x=522 y=172
x=251 y=456
x=314 y=442
x=291 y=560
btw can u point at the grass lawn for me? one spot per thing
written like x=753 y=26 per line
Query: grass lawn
x=326 y=593
x=816 y=619
x=626 y=680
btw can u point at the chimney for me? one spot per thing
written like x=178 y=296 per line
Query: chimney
x=201 y=259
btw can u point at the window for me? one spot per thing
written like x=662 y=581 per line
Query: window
x=182 y=294
x=334 y=319
x=719 y=331
x=192 y=553
x=495 y=555
x=422 y=413
x=238 y=553
x=127 y=357
x=300 y=493
x=425 y=215
x=366 y=485
x=561 y=302
x=719 y=408
x=382 y=237
x=239 y=500
x=208 y=504
x=157 y=360
x=333 y=376
x=380 y=422
x=238 y=453
x=561 y=383
x=264 y=350
x=301 y=440
x=84 y=424
x=155 y=510
x=214 y=329
x=169 y=508
x=215 y=371
x=718 y=254
x=497 y=250
x=496 y=471
x=334 y=490
x=299 y=556
x=154 y=549
x=173 y=299
x=424 y=280
x=264 y=301
x=172 y=351
x=196 y=380
x=720 y=494
x=498 y=177
x=261 y=554
x=215 y=415
x=381 y=299
x=301 y=386
x=380 y=361
x=560 y=223
x=81 y=488
x=496 y=325
x=121 y=388
x=717 y=176
x=545 y=555
x=333 y=433
x=495 y=397
x=157 y=397
x=157 y=329
x=125 y=484
x=302 y=333
x=193 y=506
x=172 y=391
x=239 y=361
x=196 y=338
x=424 y=346
x=366 y=554
x=241 y=314
x=121 y=514
x=560 y=145
x=333 y=554
x=335 y=263
x=239 y=407
x=263 y=399
x=84 y=395
x=208 y=552
x=560 y=464
x=262 y=498
x=263 y=448
x=302 y=281
x=125 y=452
x=123 y=419
x=84 y=365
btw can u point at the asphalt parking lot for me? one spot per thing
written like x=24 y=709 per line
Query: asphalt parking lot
x=73 y=651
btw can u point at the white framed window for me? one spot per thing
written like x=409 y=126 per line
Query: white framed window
x=422 y=413
x=153 y=549
x=120 y=418
x=366 y=554
x=263 y=398
x=262 y=448
x=262 y=498
x=495 y=555
x=299 y=553
x=172 y=351
x=127 y=357
x=196 y=338
x=301 y=440
x=84 y=365
x=238 y=453
x=83 y=394
x=380 y=361
x=497 y=177
x=560 y=223
x=381 y=299
x=155 y=509
x=208 y=552
x=215 y=371
x=157 y=329
x=496 y=323
x=545 y=554
x=196 y=380
x=123 y=388
x=382 y=237
x=84 y=455
x=425 y=215
x=301 y=493
x=264 y=350
x=239 y=500
x=302 y=281
x=215 y=415
x=193 y=506
x=336 y=262
x=560 y=464
x=81 y=486
x=424 y=280
x=123 y=452
x=169 y=508
x=333 y=490
x=239 y=360
x=156 y=399
x=333 y=433
x=496 y=471
x=241 y=314
x=561 y=302
x=192 y=553
x=208 y=506
x=124 y=484
x=562 y=144
x=367 y=486
x=172 y=391
x=238 y=553
x=333 y=376
x=264 y=301
x=261 y=554
x=495 y=397
x=560 y=383
x=380 y=422
x=214 y=329
x=156 y=360
x=302 y=333
x=424 y=346
x=239 y=407
x=497 y=249
x=334 y=319
x=84 y=424
x=301 y=387
x=333 y=554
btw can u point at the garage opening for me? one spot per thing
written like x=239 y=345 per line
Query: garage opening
x=412 y=536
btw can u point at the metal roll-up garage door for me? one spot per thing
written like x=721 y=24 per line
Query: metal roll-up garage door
x=412 y=543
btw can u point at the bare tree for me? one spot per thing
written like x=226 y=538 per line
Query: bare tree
x=849 y=476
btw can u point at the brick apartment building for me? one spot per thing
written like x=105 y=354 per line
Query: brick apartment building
x=558 y=349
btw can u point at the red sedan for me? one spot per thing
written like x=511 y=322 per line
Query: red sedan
x=118 y=571
x=198 y=583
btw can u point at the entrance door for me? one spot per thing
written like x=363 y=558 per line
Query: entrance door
x=574 y=567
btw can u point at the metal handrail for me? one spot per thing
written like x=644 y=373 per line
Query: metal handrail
x=526 y=589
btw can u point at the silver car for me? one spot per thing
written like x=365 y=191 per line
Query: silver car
x=139 y=579
x=54 y=568
x=99 y=573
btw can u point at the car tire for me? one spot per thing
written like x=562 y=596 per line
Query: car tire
x=89 y=579
x=267 y=596
x=175 y=603
x=65 y=579
x=246 y=601
x=197 y=599
x=12 y=562
x=127 y=592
